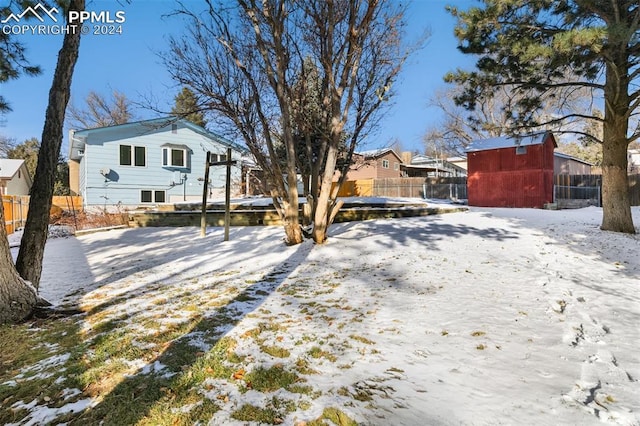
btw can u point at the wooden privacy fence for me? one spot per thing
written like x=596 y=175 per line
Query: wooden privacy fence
x=67 y=203
x=15 y=208
x=453 y=188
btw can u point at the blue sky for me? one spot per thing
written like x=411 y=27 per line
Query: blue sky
x=129 y=63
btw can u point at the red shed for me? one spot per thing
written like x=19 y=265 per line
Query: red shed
x=511 y=171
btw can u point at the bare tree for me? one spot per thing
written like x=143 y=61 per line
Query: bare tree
x=6 y=145
x=100 y=111
x=244 y=61
x=492 y=116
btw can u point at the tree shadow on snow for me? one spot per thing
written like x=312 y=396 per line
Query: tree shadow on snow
x=193 y=352
x=425 y=230
x=112 y=260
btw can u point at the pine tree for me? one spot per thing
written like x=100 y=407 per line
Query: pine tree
x=13 y=62
x=31 y=254
x=187 y=107
x=27 y=151
x=542 y=48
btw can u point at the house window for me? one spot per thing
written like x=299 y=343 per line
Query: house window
x=174 y=157
x=148 y=196
x=133 y=155
x=125 y=155
x=218 y=158
x=396 y=166
x=521 y=150
x=385 y=164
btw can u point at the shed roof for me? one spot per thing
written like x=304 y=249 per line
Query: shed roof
x=507 y=142
x=571 y=157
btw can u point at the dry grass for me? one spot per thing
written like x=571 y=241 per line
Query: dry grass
x=80 y=220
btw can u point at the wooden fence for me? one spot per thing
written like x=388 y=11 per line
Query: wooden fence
x=572 y=187
x=67 y=203
x=406 y=188
x=15 y=208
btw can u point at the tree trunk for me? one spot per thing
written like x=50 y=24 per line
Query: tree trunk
x=321 y=219
x=291 y=220
x=29 y=261
x=17 y=298
x=616 y=206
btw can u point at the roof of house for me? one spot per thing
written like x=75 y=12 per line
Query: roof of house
x=507 y=142
x=571 y=157
x=9 y=168
x=375 y=153
x=152 y=124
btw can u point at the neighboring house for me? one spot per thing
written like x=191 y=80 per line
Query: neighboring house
x=147 y=163
x=424 y=166
x=633 y=161
x=14 y=177
x=459 y=161
x=376 y=164
x=564 y=164
x=511 y=171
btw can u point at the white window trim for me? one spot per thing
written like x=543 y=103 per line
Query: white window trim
x=385 y=164
x=166 y=153
x=153 y=196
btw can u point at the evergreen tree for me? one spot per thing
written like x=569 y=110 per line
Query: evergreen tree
x=187 y=107
x=27 y=151
x=541 y=48
x=13 y=61
x=31 y=254
x=61 y=181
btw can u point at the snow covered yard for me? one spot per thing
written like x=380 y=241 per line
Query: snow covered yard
x=493 y=316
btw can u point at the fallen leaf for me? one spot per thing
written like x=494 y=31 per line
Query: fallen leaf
x=238 y=375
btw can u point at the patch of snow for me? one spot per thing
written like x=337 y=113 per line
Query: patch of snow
x=490 y=316
x=42 y=414
x=44 y=368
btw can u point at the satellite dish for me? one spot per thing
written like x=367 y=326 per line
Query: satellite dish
x=105 y=171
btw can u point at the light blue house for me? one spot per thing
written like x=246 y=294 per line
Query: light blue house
x=149 y=163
